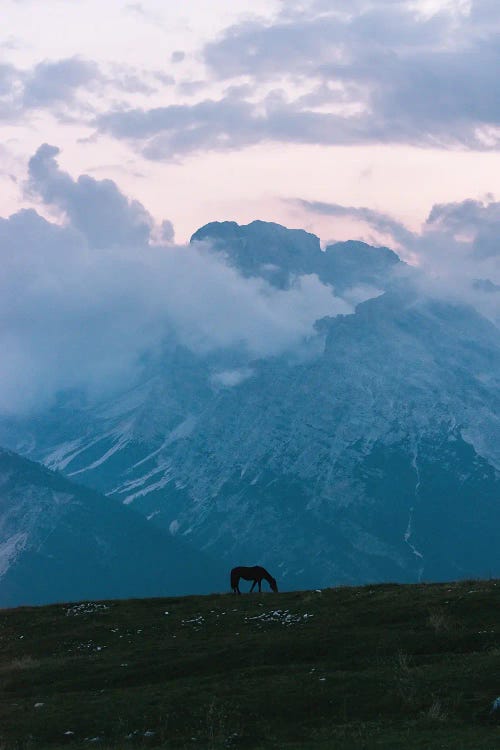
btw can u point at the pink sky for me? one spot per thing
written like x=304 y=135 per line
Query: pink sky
x=151 y=55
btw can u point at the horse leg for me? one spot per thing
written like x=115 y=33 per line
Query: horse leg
x=253 y=586
x=260 y=586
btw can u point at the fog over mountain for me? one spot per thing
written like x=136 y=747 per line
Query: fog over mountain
x=84 y=303
x=332 y=412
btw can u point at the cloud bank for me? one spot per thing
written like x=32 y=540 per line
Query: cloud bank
x=83 y=303
x=456 y=254
x=316 y=72
x=331 y=73
x=73 y=89
x=96 y=208
x=86 y=301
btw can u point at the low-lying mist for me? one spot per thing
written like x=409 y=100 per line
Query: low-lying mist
x=83 y=301
x=86 y=297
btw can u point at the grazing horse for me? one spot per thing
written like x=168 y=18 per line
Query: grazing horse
x=255 y=574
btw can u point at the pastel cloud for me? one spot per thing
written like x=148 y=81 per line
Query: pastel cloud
x=456 y=251
x=96 y=208
x=63 y=86
x=54 y=82
x=84 y=305
x=318 y=73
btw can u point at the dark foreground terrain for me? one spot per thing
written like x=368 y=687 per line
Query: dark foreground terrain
x=373 y=667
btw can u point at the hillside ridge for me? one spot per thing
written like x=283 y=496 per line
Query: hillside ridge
x=378 y=666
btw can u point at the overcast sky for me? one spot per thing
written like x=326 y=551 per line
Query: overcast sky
x=210 y=110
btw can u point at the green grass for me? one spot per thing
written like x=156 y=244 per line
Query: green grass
x=393 y=667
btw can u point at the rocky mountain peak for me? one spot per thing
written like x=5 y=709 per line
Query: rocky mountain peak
x=264 y=249
x=279 y=254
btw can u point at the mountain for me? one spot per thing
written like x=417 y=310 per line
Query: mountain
x=348 y=264
x=278 y=254
x=375 y=459
x=62 y=542
x=264 y=249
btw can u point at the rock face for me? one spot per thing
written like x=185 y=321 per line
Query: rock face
x=377 y=459
x=264 y=249
x=62 y=542
x=278 y=254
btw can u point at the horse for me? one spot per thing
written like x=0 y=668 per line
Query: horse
x=255 y=574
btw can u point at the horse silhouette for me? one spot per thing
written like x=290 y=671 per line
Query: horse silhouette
x=255 y=574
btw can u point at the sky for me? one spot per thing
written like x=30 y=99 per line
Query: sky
x=209 y=111
x=125 y=126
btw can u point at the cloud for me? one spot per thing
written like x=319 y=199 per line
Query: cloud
x=329 y=36
x=51 y=85
x=231 y=378
x=165 y=132
x=141 y=11
x=228 y=123
x=476 y=220
x=317 y=72
x=8 y=74
x=57 y=82
x=375 y=71
x=455 y=254
x=380 y=221
x=9 y=90
x=167 y=232
x=96 y=208
x=58 y=86
x=83 y=305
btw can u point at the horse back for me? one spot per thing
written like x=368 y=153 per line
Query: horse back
x=248 y=573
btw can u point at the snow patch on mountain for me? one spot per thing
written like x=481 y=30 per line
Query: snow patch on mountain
x=183 y=430
x=10 y=549
x=123 y=438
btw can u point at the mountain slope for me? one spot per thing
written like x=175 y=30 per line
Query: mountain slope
x=374 y=462
x=347 y=668
x=60 y=542
x=376 y=459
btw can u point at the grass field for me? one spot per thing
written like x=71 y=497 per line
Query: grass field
x=395 y=667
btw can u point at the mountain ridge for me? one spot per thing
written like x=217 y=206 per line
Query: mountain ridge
x=279 y=254
x=61 y=541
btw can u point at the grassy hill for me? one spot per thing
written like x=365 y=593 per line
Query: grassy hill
x=373 y=667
